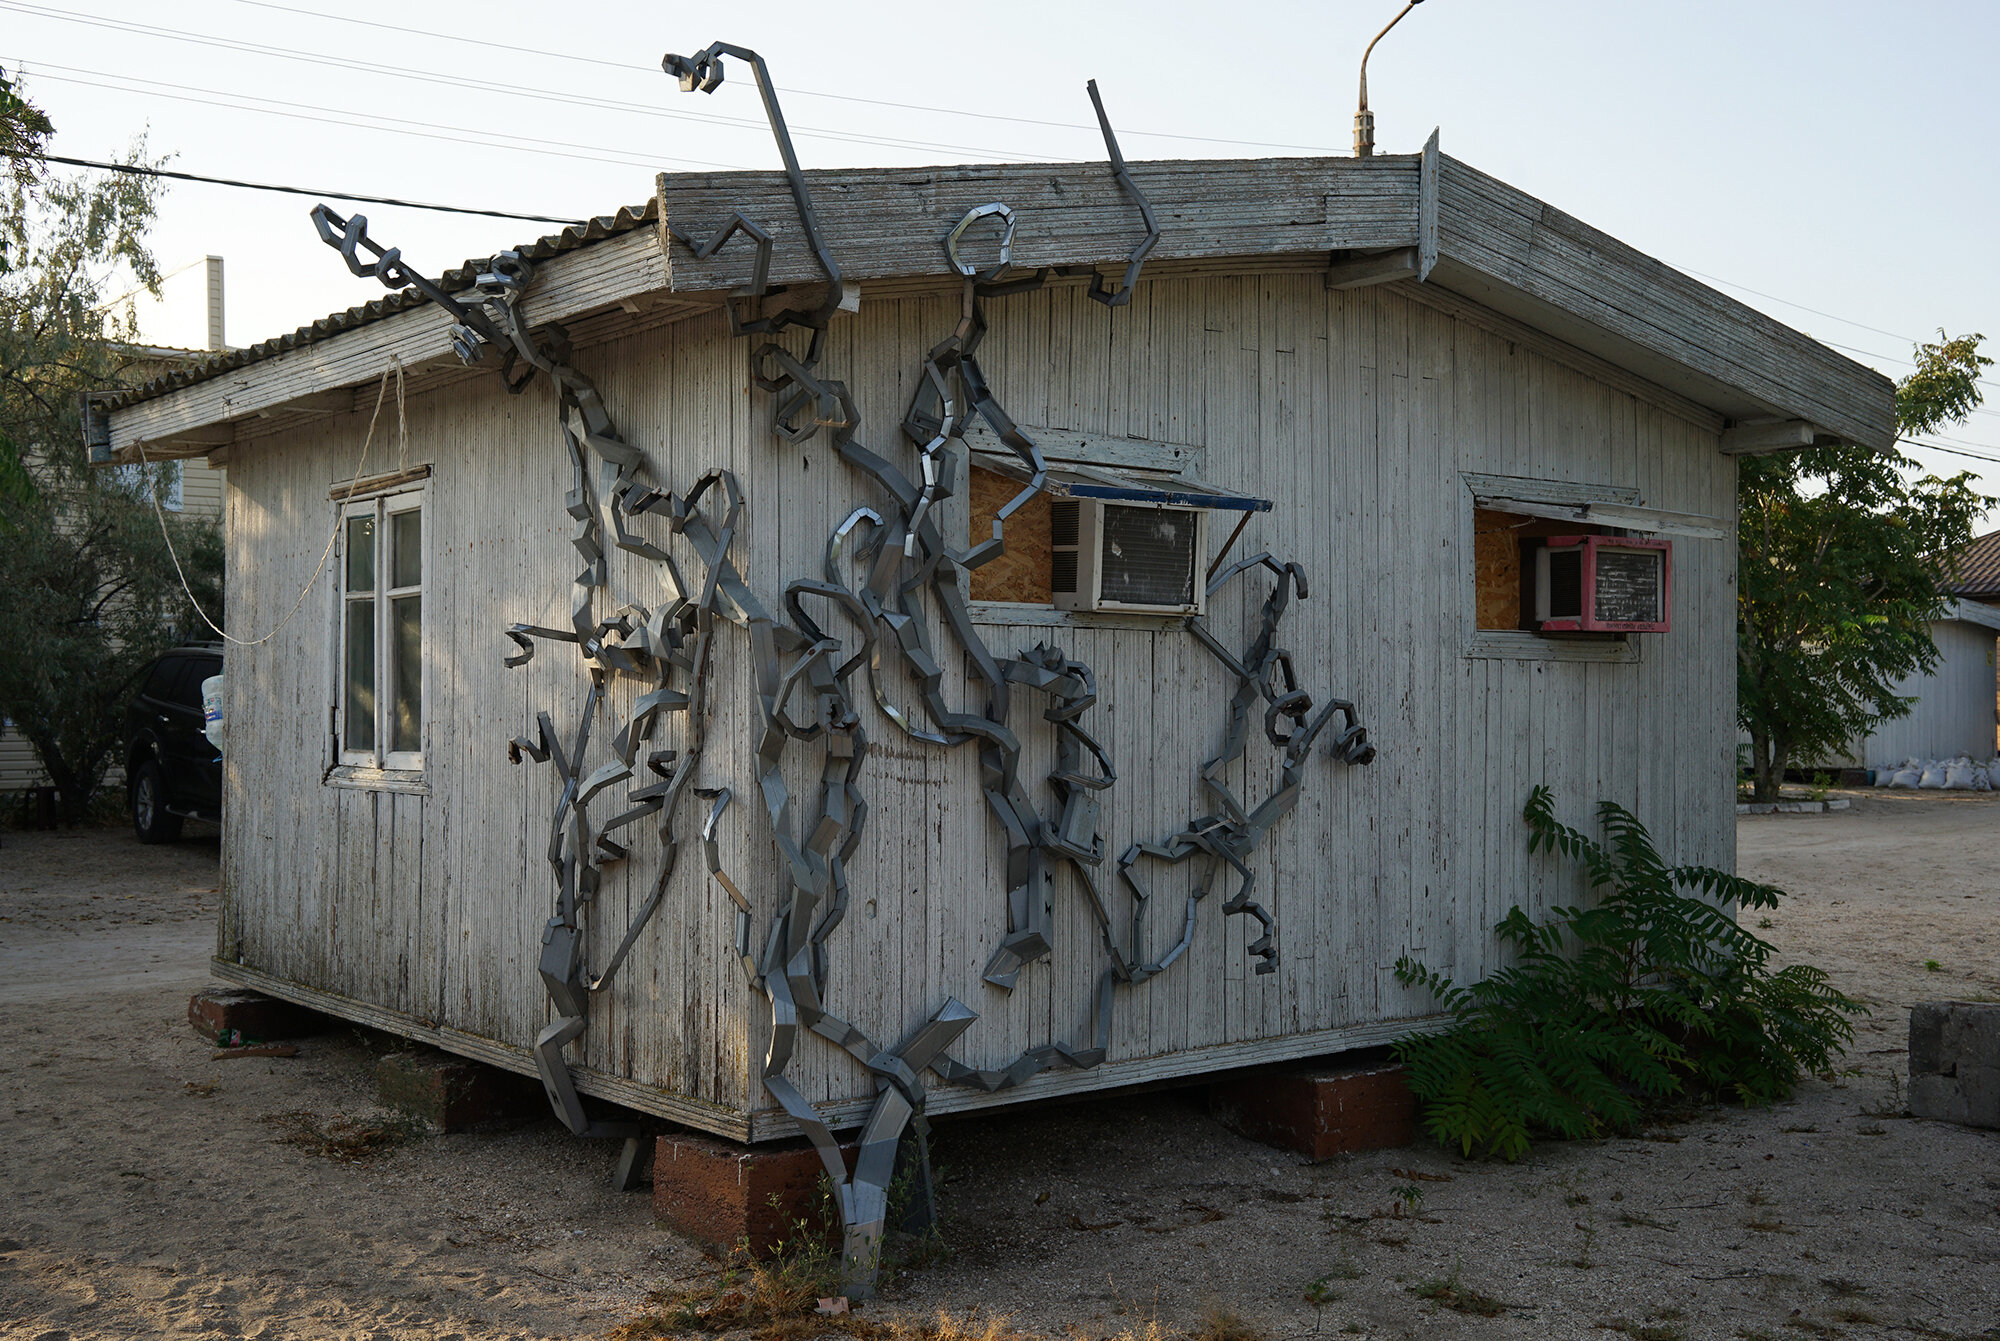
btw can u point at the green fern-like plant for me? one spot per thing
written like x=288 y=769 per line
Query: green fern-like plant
x=1654 y=991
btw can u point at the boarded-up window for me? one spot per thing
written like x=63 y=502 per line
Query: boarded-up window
x=1503 y=602
x=1022 y=573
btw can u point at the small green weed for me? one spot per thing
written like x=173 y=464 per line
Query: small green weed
x=1448 y=1292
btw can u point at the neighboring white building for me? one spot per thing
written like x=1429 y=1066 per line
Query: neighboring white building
x=1955 y=709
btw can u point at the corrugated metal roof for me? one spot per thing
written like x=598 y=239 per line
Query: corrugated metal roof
x=576 y=235
x=1978 y=568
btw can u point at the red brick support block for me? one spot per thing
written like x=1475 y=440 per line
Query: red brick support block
x=233 y=1016
x=1319 y=1111
x=454 y=1093
x=721 y=1194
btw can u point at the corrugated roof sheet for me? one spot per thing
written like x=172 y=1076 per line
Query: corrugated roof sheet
x=1978 y=568
x=555 y=244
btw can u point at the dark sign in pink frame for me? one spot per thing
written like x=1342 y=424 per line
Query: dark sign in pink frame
x=1590 y=545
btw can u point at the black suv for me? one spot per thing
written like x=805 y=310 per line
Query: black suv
x=172 y=771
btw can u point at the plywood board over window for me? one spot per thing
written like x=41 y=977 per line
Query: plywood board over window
x=1496 y=561
x=1022 y=573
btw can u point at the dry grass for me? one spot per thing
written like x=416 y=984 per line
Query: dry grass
x=1645 y=1331
x=344 y=1140
x=1219 y=1324
x=777 y=1299
x=1448 y=1292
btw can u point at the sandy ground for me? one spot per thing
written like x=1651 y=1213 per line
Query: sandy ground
x=146 y=1189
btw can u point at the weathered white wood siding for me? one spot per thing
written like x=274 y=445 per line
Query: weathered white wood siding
x=1355 y=412
x=1954 y=713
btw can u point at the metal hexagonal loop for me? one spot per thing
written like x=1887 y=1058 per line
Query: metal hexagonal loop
x=1005 y=213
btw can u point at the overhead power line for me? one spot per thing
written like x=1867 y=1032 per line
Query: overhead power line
x=1954 y=451
x=398 y=125
x=787 y=91
x=134 y=170
x=505 y=89
x=1845 y=321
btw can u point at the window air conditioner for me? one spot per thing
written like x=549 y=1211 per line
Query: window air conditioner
x=1139 y=558
x=1603 y=584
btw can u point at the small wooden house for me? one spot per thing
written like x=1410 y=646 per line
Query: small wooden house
x=923 y=817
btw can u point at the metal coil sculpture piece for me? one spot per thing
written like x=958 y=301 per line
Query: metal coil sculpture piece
x=881 y=565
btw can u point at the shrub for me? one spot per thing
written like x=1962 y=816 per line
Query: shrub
x=1656 y=991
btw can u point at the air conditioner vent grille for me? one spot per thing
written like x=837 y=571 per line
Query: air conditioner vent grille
x=1148 y=556
x=1063 y=522
x=1062 y=571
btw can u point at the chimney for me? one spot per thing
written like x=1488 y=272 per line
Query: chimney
x=212 y=268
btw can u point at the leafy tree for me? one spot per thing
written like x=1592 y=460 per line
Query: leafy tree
x=1657 y=991
x=90 y=592
x=24 y=131
x=1841 y=557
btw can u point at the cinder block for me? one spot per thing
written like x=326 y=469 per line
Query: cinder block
x=1955 y=1062
x=454 y=1093
x=722 y=1195
x=233 y=1016
x=1319 y=1111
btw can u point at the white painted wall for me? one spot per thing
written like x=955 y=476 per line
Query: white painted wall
x=1358 y=413
x=1955 y=708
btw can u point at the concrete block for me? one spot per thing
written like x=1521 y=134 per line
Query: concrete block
x=723 y=1195
x=1319 y=1111
x=234 y=1016
x=1955 y=1062
x=454 y=1093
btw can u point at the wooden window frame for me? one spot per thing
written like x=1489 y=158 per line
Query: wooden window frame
x=377 y=764
x=1517 y=644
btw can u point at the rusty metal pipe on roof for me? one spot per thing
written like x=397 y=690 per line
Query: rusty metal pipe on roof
x=1364 y=120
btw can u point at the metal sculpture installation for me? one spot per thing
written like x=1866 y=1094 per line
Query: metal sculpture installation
x=879 y=565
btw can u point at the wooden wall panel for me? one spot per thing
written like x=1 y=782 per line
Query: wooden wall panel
x=1954 y=710
x=1357 y=412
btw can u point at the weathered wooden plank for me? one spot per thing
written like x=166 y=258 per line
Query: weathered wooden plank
x=1373 y=414
x=565 y=286
x=881 y=222
x=1773 y=436
x=1533 y=248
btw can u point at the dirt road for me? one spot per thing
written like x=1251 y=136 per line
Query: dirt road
x=149 y=1190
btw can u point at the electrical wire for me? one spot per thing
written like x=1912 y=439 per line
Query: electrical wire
x=395 y=365
x=507 y=89
x=1953 y=451
x=787 y=91
x=1845 y=321
x=596 y=153
x=427 y=130
x=134 y=170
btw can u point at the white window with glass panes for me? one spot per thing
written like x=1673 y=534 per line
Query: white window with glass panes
x=379 y=705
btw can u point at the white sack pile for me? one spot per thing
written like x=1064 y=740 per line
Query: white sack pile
x=1958 y=775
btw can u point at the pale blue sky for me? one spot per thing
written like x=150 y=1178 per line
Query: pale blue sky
x=1835 y=155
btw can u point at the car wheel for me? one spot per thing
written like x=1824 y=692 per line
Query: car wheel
x=150 y=819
